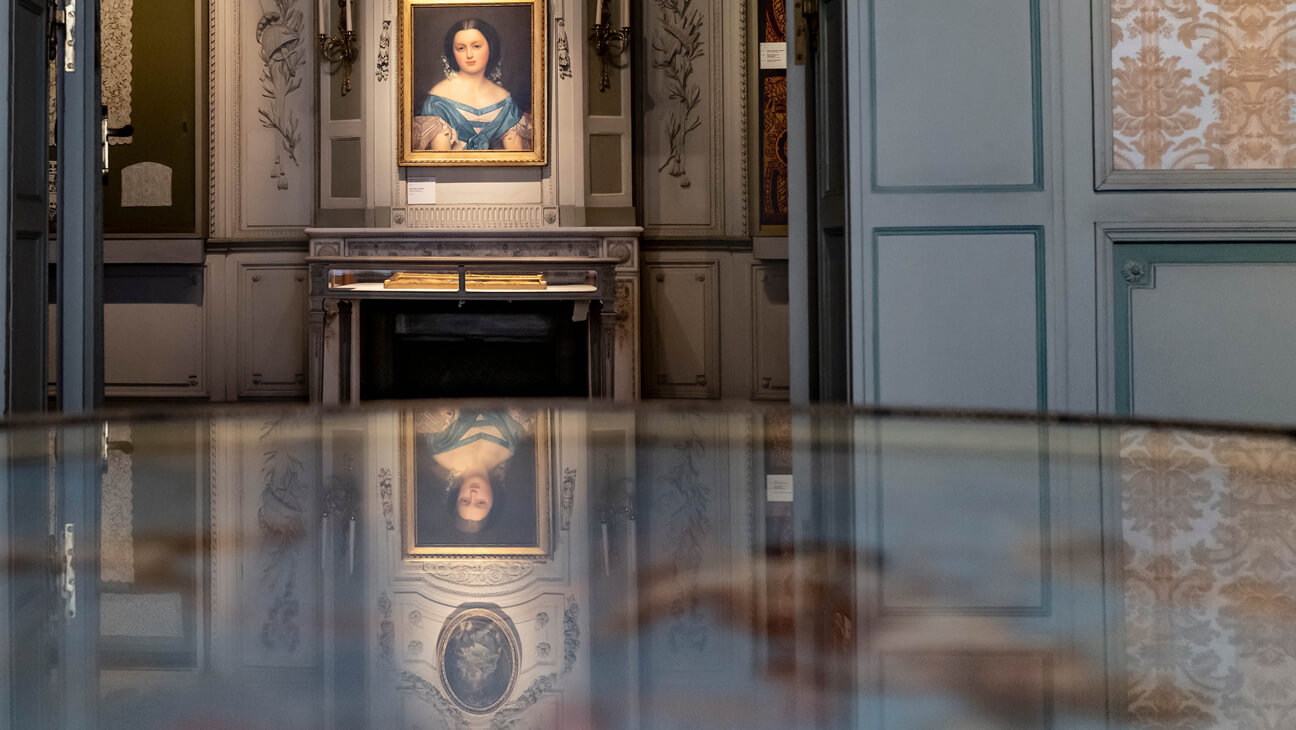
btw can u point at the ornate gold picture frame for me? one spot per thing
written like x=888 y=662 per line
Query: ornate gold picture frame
x=476 y=482
x=471 y=87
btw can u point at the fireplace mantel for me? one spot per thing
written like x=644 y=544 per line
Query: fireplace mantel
x=604 y=260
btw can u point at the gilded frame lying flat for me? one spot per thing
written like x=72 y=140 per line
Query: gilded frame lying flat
x=456 y=109
x=457 y=503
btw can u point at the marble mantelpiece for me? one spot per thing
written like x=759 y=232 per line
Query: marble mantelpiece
x=614 y=353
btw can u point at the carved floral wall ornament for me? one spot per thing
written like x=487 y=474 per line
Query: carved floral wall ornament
x=1210 y=579
x=562 y=49
x=385 y=493
x=686 y=497
x=479 y=573
x=382 y=68
x=1203 y=84
x=279 y=33
x=676 y=48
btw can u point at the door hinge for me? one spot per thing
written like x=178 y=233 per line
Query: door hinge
x=68 y=581
x=69 y=45
x=806 y=18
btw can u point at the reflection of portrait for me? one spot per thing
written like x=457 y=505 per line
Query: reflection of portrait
x=472 y=82
x=478 y=485
x=479 y=659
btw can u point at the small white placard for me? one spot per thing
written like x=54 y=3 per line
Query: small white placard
x=778 y=488
x=773 y=55
x=421 y=192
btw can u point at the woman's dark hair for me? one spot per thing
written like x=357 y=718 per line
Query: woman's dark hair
x=499 y=499
x=492 y=42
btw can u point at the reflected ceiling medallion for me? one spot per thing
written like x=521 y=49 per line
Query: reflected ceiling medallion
x=478 y=653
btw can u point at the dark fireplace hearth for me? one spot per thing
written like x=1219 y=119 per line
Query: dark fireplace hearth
x=470 y=349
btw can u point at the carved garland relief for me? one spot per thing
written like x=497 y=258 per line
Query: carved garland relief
x=1203 y=84
x=677 y=45
x=283 y=56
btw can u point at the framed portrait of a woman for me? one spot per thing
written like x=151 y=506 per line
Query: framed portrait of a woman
x=477 y=483
x=472 y=82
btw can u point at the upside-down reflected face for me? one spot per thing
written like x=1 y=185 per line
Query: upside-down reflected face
x=475 y=498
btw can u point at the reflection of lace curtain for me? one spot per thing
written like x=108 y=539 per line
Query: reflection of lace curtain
x=115 y=29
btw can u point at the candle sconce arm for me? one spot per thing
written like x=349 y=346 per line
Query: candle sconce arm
x=341 y=49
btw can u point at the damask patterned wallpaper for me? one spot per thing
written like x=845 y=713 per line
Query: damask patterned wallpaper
x=1210 y=580
x=1203 y=84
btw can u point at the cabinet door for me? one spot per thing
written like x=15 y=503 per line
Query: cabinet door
x=682 y=351
x=271 y=332
x=769 y=345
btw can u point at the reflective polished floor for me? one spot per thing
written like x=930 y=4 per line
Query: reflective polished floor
x=571 y=565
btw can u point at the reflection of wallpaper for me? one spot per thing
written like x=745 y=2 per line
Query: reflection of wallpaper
x=1203 y=84
x=115 y=36
x=1210 y=579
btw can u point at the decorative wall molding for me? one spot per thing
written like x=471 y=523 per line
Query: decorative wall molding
x=382 y=67
x=282 y=520
x=571 y=634
x=677 y=44
x=562 y=49
x=695 y=129
x=386 y=630
x=469 y=247
x=247 y=201
x=686 y=498
x=479 y=573
x=510 y=715
x=1170 y=243
x=385 y=493
x=479 y=216
x=568 y=496
x=452 y=717
x=284 y=50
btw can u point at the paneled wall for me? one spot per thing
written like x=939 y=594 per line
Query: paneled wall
x=715 y=324
x=694 y=121
x=1033 y=225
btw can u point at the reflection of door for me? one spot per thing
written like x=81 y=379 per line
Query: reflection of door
x=829 y=259
x=49 y=676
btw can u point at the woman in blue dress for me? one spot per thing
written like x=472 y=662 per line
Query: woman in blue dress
x=469 y=110
x=471 y=453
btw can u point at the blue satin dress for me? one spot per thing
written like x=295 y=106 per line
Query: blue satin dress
x=476 y=135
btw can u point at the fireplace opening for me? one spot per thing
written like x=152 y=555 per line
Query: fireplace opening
x=473 y=349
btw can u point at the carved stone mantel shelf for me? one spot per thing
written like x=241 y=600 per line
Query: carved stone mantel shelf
x=611 y=255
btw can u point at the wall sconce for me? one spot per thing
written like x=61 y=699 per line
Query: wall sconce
x=341 y=48
x=608 y=42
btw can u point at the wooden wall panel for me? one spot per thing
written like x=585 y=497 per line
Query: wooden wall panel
x=682 y=310
x=944 y=336
x=155 y=350
x=271 y=332
x=960 y=108
x=694 y=121
x=769 y=316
